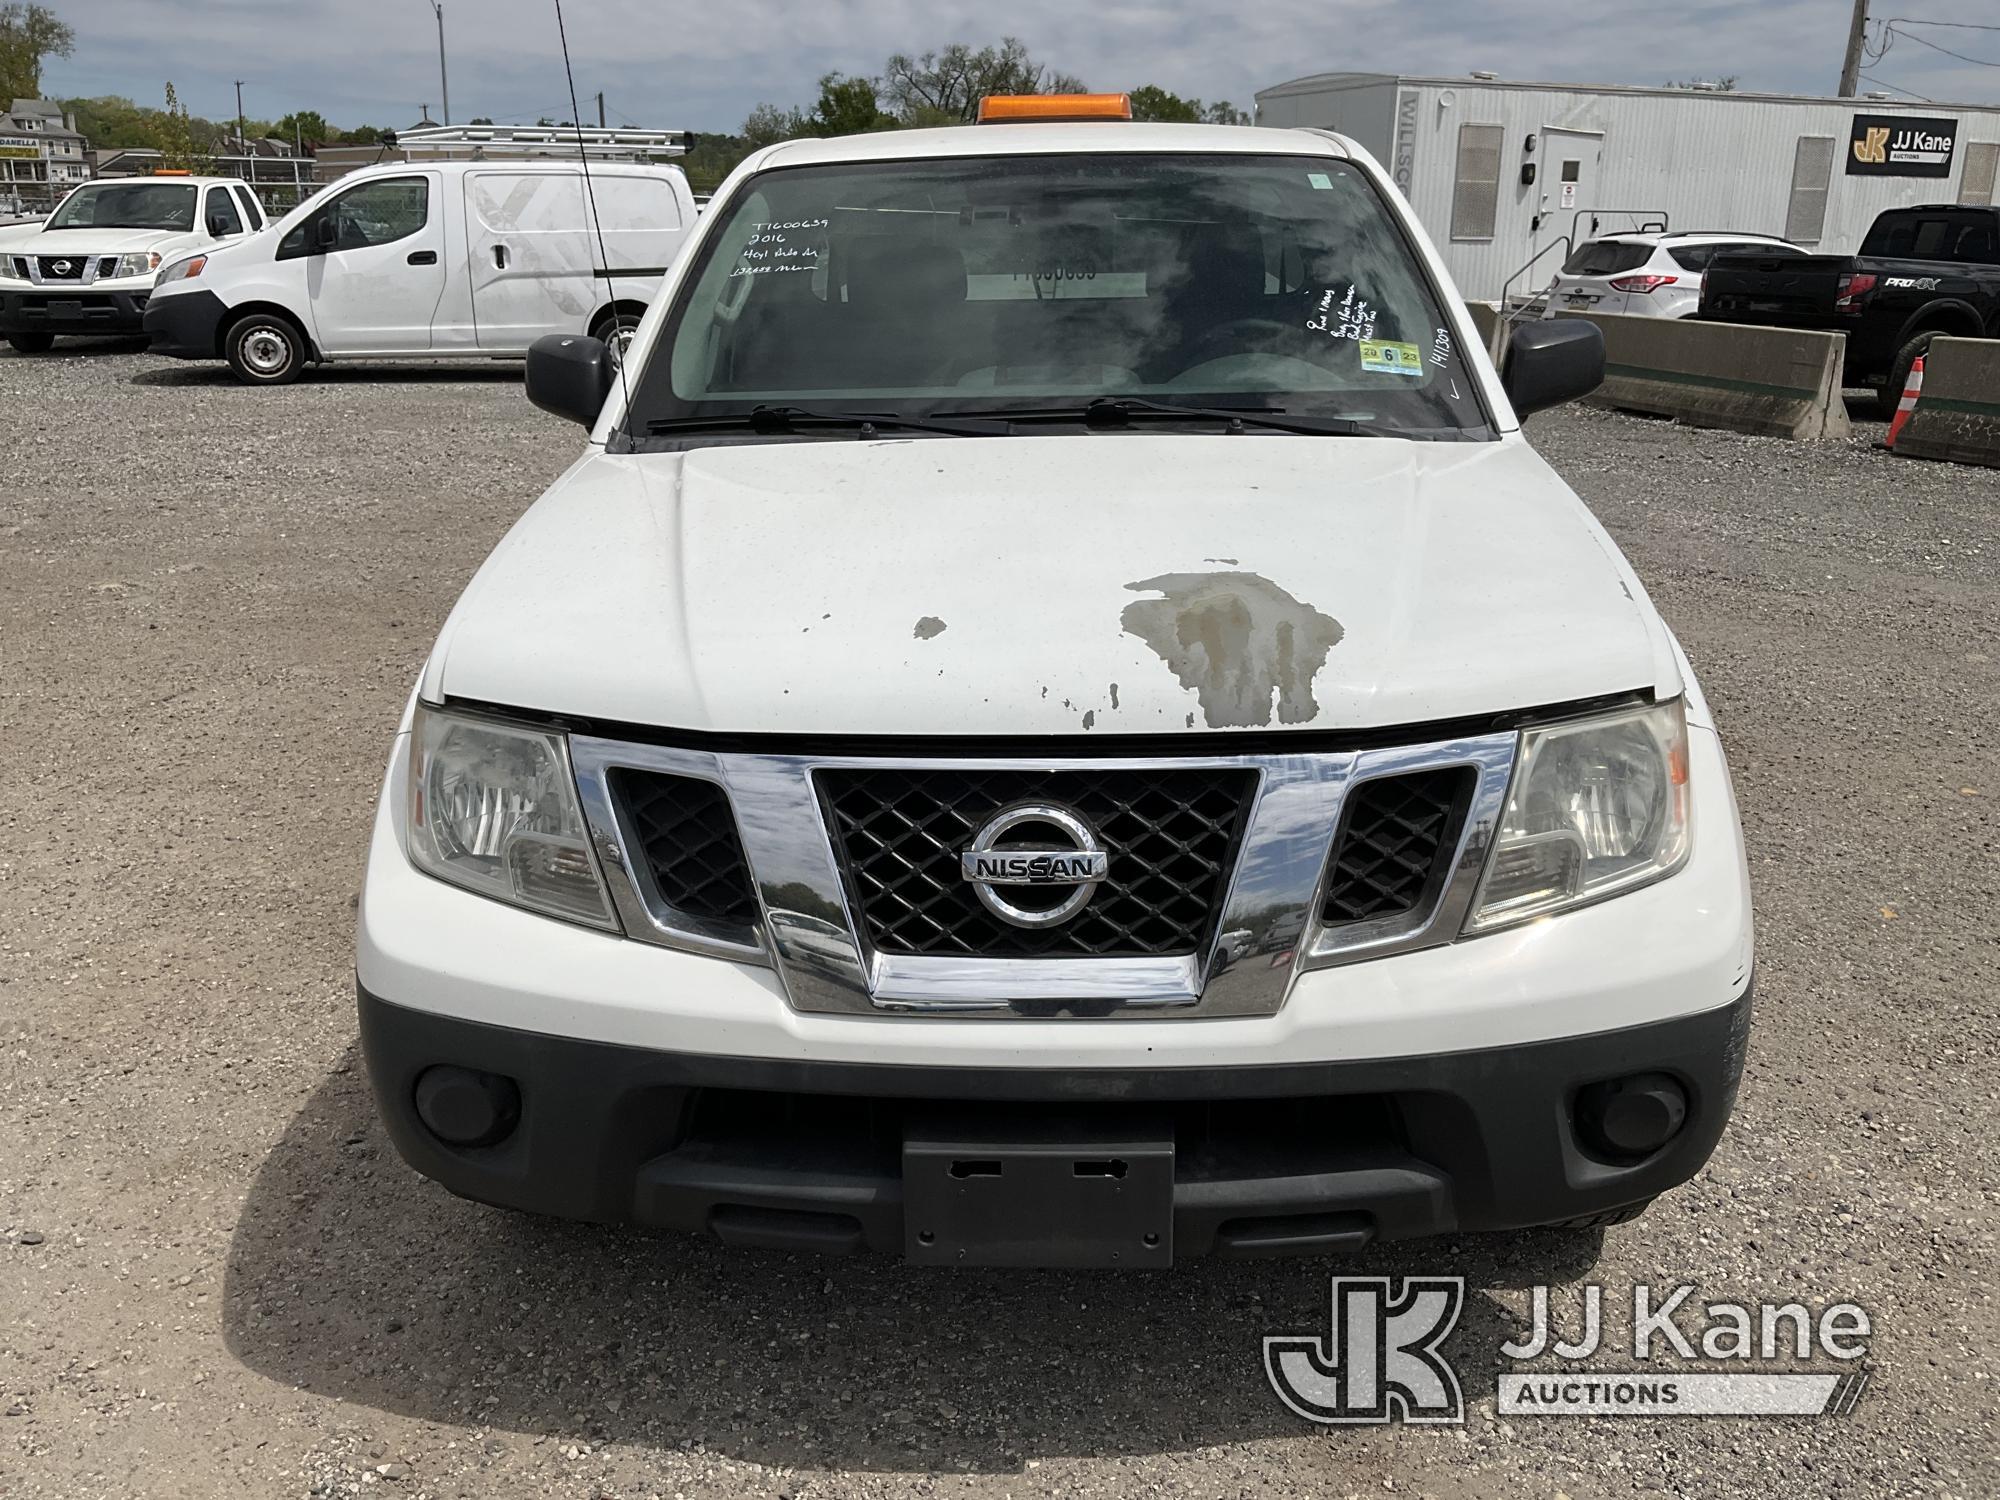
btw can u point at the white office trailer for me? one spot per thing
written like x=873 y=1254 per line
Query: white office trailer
x=1506 y=175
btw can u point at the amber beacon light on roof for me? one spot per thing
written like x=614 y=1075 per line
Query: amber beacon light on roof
x=1001 y=109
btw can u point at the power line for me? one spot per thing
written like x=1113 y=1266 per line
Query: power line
x=1879 y=83
x=1983 y=62
x=1955 y=25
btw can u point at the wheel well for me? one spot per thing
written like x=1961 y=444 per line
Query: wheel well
x=621 y=305
x=1941 y=317
x=237 y=314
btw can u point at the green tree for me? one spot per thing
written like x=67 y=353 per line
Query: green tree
x=848 y=106
x=306 y=126
x=945 y=86
x=1151 y=102
x=768 y=124
x=364 y=135
x=112 y=123
x=29 y=33
x=174 y=133
x=712 y=158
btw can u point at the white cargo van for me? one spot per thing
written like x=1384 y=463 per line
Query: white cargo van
x=439 y=260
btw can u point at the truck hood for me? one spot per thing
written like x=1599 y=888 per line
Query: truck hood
x=81 y=243
x=1115 y=584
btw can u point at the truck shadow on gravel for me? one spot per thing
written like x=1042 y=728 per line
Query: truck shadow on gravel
x=180 y=375
x=352 y=1278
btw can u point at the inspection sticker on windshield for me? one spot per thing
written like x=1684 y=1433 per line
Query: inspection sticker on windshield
x=1320 y=180
x=1391 y=358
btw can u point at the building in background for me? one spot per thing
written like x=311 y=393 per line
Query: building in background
x=41 y=156
x=1505 y=176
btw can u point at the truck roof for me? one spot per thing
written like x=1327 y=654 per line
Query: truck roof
x=1039 y=139
x=189 y=178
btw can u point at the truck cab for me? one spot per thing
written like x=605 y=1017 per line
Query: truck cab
x=1058 y=720
x=431 y=260
x=90 y=266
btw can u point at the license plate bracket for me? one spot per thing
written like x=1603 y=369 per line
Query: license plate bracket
x=1058 y=1193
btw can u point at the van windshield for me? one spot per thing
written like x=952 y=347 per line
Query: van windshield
x=128 y=205
x=990 y=286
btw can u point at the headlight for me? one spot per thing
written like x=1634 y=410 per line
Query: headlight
x=142 y=264
x=181 y=270
x=494 y=809
x=1597 y=806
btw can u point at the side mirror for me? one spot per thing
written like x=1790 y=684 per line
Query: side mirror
x=570 y=375
x=325 y=233
x=1551 y=362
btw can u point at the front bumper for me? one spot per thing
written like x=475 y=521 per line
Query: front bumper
x=49 y=309
x=185 y=325
x=1287 y=1159
x=1405 y=1095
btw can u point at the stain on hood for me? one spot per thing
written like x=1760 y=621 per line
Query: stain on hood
x=1244 y=645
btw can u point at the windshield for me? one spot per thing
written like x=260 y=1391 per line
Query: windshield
x=1002 y=284
x=128 y=205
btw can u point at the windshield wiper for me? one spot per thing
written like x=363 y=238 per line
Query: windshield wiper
x=800 y=418
x=1118 y=411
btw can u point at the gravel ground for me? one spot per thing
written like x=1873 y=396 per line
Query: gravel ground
x=216 y=1278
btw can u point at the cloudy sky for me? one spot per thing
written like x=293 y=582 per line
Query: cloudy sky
x=701 y=66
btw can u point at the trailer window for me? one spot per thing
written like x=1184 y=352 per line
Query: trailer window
x=1475 y=195
x=1812 y=174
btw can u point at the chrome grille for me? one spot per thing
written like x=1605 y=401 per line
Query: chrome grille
x=687 y=837
x=1171 y=836
x=1397 y=834
x=73 y=267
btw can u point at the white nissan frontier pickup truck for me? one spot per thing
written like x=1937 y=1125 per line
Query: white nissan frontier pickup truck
x=1058 y=721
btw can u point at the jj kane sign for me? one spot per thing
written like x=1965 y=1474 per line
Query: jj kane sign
x=1900 y=146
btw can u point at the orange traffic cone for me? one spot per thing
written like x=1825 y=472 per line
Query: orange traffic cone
x=1912 y=388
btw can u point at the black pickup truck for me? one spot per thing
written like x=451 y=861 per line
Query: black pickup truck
x=1921 y=272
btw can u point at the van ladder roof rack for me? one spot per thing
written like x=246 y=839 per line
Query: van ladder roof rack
x=542 y=140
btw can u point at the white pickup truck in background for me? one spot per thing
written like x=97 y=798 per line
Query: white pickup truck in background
x=88 y=268
x=439 y=260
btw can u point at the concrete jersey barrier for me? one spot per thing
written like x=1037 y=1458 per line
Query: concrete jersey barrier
x=1958 y=415
x=1776 y=382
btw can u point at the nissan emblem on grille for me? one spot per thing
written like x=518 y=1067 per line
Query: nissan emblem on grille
x=990 y=865
x=61 y=268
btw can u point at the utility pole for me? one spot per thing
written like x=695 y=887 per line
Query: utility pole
x=600 y=109
x=444 y=84
x=1850 y=67
x=239 y=117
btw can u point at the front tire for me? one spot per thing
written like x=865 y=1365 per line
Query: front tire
x=32 y=343
x=265 y=349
